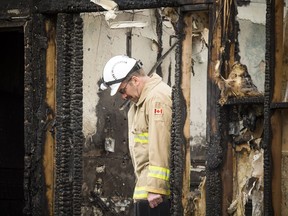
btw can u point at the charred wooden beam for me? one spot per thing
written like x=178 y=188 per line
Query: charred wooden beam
x=69 y=136
x=269 y=74
x=35 y=116
x=276 y=93
x=76 y=111
x=178 y=141
x=214 y=149
x=58 y=6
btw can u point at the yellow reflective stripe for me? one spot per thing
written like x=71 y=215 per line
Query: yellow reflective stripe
x=140 y=193
x=141 y=138
x=159 y=172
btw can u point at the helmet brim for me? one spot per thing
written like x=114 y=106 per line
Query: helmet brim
x=114 y=88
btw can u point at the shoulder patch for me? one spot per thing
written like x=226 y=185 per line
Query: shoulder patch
x=158 y=111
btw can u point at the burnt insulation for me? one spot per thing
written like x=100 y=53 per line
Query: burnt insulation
x=69 y=137
x=269 y=71
x=177 y=136
x=35 y=116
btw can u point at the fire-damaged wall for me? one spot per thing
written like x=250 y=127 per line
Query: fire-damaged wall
x=76 y=158
x=108 y=173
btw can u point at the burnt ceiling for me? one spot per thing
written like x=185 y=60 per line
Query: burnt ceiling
x=55 y=6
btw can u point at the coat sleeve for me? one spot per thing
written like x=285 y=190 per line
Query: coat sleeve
x=159 y=130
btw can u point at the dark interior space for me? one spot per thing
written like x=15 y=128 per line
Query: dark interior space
x=11 y=121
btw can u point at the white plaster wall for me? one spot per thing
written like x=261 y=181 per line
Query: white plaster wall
x=252 y=40
x=254 y=12
x=252 y=20
x=198 y=93
x=100 y=43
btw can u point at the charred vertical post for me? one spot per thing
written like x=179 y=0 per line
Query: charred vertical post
x=64 y=156
x=69 y=138
x=270 y=64
x=276 y=96
x=35 y=116
x=214 y=149
x=76 y=111
x=178 y=141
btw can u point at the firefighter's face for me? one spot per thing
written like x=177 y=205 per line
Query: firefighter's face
x=129 y=89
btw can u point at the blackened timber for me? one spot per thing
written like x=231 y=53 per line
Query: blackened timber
x=69 y=136
x=76 y=111
x=159 y=32
x=196 y=8
x=177 y=136
x=276 y=115
x=35 y=116
x=245 y=100
x=68 y=6
x=269 y=68
x=281 y=105
x=64 y=152
x=214 y=148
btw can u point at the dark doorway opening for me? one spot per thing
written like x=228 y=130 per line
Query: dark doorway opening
x=11 y=121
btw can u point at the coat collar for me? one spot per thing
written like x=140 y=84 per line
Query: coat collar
x=154 y=80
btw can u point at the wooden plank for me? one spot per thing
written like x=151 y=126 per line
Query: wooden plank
x=186 y=77
x=285 y=121
x=214 y=183
x=285 y=77
x=48 y=158
x=276 y=140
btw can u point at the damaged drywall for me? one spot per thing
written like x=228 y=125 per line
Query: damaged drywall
x=252 y=40
x=245 y=131
x=199 y=60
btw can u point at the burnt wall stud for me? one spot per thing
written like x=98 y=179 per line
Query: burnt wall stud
x=35 y=116
x=177 y=136
x=69 y=138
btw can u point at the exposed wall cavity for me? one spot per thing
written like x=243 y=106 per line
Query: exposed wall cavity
x=246 y=129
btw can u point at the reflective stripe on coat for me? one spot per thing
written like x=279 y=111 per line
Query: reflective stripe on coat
x=149 y=138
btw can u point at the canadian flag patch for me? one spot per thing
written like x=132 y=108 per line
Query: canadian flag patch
x=158 y=111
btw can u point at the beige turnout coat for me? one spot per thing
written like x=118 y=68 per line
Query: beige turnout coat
x=149 y=138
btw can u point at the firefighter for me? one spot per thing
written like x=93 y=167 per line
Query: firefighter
x=149 y=125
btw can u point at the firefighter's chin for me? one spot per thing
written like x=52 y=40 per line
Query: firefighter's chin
x=133 y=99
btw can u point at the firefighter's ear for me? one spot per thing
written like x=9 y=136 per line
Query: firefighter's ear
x=135 y=80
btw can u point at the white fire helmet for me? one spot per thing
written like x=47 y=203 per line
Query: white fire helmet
x=116 y=70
